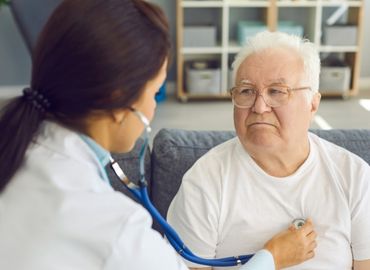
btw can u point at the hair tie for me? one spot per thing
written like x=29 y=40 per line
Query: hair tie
x=36 y=99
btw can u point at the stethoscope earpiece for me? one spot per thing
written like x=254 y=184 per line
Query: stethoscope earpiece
x=143 y=119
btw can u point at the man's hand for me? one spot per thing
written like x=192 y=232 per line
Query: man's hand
x=293 y=246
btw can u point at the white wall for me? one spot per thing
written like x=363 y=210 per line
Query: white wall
x=365 y=54
x=15 y=61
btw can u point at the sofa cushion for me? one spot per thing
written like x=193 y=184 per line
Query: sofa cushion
x=175 y=151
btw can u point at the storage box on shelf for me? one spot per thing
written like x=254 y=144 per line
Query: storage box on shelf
x=290 y=27
x=343 y=36
x=235 y=20
x=340 y=35
x=200 y=36
x=334 y=80
x=203 y=77
x=297 y=19
x=247 y=29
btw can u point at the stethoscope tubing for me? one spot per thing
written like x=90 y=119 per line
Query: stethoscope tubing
x=179 y=245
x=141 y=195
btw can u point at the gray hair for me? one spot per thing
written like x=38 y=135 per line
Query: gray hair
x=306 y=49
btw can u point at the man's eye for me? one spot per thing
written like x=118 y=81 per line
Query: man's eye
x=276 y=91
x=247 y=91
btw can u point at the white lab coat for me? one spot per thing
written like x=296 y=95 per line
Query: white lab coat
x=58 y=213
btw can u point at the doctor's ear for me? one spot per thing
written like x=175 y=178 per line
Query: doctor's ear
x=118 y=116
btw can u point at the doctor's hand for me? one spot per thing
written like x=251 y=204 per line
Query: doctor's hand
x=293 y=246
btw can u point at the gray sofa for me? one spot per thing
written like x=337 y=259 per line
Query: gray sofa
x=174 y=151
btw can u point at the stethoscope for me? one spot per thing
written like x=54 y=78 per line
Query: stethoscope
x=140 y=192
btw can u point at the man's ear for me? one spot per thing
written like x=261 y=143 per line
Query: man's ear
x=315 y=103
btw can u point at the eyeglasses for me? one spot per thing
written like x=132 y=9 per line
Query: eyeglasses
x=245 y=95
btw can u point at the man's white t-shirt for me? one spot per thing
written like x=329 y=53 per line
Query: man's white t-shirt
x=227 y=205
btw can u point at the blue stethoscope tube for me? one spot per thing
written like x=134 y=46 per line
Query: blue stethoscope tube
x=141 y=194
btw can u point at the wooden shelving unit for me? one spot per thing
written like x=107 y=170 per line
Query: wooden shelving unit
x=311 y=14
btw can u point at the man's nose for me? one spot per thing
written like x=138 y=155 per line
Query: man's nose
x=260 y=106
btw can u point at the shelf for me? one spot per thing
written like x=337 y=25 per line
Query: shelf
x=298 y=3
x=339 y=3
x=334 y=94
x=330 y=48
x=252 y=3
x=234 y=47
x=205 y=96
x=201 y=4
x=225 y=14
x=263 y=3
x=202 y=50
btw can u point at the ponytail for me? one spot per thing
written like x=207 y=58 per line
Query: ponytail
x=91 y=55
x=19 y=122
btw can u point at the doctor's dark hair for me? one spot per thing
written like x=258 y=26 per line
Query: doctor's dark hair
x=91 y=55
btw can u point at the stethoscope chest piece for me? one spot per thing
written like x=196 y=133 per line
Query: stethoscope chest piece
x=298 y=223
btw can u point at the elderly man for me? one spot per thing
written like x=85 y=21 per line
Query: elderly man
x=245 y=190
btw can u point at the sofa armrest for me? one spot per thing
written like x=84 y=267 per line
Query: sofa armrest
x=355 y=140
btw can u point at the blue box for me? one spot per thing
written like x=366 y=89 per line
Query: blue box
x=247 y=29
x=290 y=28
x=161 y=94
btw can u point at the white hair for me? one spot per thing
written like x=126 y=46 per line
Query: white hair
x=306 y=49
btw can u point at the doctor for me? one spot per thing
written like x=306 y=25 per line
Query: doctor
x=96 y=62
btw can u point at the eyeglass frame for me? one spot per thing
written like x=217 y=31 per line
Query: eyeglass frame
x=258 y=93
